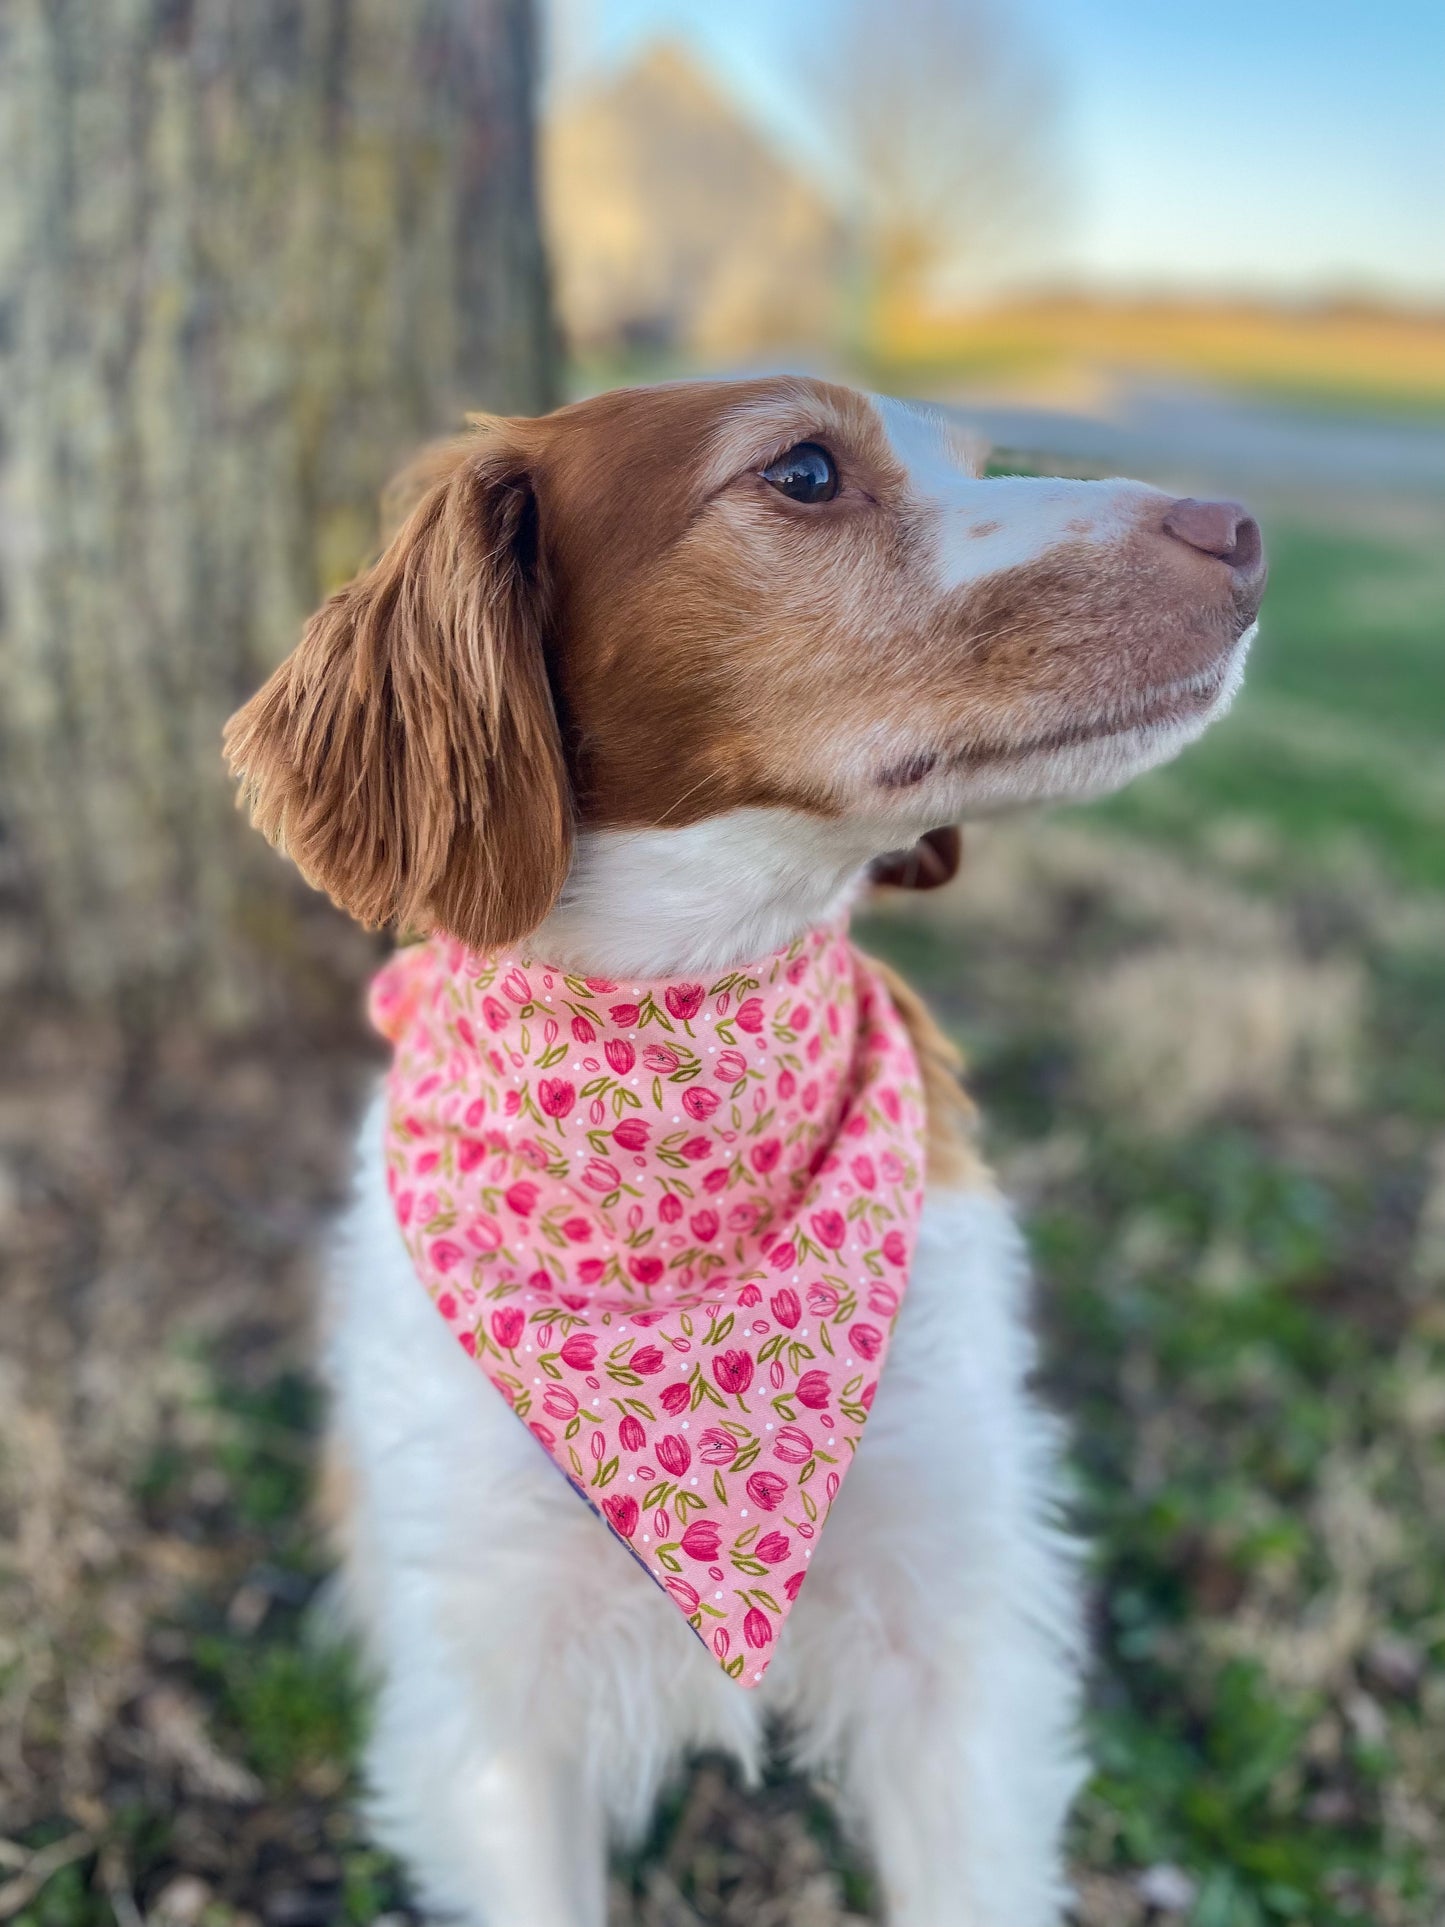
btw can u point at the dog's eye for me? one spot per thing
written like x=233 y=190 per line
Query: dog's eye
x=806 y=473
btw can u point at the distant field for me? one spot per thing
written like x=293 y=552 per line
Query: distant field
x=1344 y=355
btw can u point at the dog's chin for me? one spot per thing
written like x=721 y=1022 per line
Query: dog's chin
x=1092 y=756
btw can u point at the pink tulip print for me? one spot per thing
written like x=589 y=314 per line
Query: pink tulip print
x=508 y=1326
x=814 y=1389
x=785 y=1305
x=866 y=1340
x=733 y=1371
x=555 y=1095
x=580 y=1352
x=672 y=1224
x=702 y=1539
x=622 y=1514
x=684 y=1000
x=767 y=1489
x=829 y=1228
x=792 y=1445
x=757 y=1627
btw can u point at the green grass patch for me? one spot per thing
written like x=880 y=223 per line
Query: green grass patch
x=292 y=1706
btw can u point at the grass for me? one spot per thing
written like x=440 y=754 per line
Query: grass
x=1244 y=1320
x=272 y=1778
x=1321 y=359
x=1236 y=1301
x=1388 y=365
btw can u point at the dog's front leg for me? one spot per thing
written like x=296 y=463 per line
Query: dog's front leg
x=930 y=1663
x=462 y=1549
x=533 y=1685
x=498 y=1832
x=959 y=1785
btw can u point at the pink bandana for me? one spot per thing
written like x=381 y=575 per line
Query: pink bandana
x=672 y=1222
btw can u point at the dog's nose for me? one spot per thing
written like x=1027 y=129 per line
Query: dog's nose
x=1226 y=530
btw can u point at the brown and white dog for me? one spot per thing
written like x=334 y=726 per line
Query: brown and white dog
x=651 y=682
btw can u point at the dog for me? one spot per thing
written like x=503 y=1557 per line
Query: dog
x=642 y=689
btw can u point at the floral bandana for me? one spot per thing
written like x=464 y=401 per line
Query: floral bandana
x=672 y=1222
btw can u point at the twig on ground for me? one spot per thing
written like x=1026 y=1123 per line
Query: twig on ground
x=40 y=1867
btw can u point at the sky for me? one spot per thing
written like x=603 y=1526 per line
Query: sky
x=1267 y=147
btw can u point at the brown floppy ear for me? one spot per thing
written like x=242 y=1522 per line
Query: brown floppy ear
x=432 y=464
x=933 y=860
x=407 y=755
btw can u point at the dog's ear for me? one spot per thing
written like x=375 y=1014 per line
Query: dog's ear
x=933 y=860
x=407 y=755
x=432 y=464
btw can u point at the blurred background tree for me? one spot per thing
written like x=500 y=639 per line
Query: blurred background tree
x=942 y=120
x=251 y=252
x=916 y=160
x=676 y=225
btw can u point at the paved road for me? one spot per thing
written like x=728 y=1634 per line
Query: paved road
x=1227 y=440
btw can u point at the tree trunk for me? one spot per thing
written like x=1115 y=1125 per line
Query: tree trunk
x=251 y=251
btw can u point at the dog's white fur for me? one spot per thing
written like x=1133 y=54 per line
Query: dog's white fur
x=534 y=1688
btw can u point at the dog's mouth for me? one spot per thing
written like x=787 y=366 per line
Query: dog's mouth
x=1162 y=707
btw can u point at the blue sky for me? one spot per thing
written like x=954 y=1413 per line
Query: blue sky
x=1274 y=147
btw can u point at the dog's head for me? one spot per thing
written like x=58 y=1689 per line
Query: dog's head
x=664 y=605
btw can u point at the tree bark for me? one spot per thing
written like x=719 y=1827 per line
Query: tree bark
x=251 y=251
